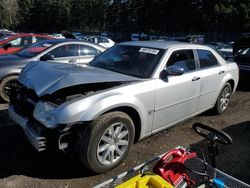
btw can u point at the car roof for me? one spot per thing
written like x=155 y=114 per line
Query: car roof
x=160 y=44
x=10 y=37
x=30 y=34
x=70 y=41
x=57 y=41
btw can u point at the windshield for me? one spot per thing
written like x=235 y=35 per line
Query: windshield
x=35 y=49
x=135 y=61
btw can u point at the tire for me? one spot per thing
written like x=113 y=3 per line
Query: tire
x=101 y=136
x=5 y=86
x=223 y=99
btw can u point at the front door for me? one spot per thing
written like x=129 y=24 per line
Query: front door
x=177 y=97
x=67 y=53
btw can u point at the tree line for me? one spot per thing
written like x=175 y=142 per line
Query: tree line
x=126 y=16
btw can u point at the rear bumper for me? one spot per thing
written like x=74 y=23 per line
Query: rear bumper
x=38 y=141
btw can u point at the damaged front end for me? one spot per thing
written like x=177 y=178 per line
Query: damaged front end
x=79 y=91
x=37 y=114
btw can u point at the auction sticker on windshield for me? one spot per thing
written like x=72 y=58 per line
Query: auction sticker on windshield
x=149 y=51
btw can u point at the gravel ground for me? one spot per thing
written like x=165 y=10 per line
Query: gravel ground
x=21 y=166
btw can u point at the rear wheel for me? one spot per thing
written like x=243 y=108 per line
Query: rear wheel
x=107 y=141
x=6 y=85
x=223 y=99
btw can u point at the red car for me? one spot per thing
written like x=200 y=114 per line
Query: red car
x=13 y=43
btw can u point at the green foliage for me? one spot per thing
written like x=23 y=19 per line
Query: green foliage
x=128 y=15
x=8 y=11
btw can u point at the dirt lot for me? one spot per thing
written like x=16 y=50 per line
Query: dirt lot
x=21 y=166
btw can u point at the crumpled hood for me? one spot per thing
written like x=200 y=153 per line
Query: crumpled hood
x=46 y=78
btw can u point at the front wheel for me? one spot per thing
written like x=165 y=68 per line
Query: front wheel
x=223 y=99
x=6 y=85
x=107 y=141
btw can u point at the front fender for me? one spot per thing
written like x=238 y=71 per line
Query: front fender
x=90 y=108
x=5 y=72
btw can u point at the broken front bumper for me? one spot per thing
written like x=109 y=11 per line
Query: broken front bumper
x=39 y=142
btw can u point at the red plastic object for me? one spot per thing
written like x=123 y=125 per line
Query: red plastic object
x=171 y=167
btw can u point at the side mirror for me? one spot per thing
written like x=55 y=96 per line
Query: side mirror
x=175 y=70
x=6 y=46
x=171 y=71
x=47 y=57
x=164 y=74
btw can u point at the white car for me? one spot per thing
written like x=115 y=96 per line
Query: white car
x=127 y=93
x=58 y=36
x=102 y=41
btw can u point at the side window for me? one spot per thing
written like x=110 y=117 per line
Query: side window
x=93 y=39
x=206 y=58
x=38 y=39
x=182 y=58
x=16 y=42
x=26 y=41
x=67 y=50
x=88 y=50
x=103 y=40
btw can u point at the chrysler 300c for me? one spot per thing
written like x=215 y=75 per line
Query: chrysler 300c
x=127 y=93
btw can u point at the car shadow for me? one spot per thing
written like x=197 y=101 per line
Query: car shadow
x=233 y=159
x=19 y=158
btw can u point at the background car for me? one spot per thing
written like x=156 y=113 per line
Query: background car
x=226 y=53
x=218 y=45
x=5 y=32
x=58 y=36
x=103 y=41
x=59 y=50
x=13 y=43
x=241 y=51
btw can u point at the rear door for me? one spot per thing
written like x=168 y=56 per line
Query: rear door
x=87 y=53
x=211 y=74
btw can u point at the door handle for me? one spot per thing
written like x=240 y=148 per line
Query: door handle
x=195 y=78
x=221 y=72
x=72 y=60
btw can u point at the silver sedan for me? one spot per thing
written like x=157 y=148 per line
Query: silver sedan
x=127 y=93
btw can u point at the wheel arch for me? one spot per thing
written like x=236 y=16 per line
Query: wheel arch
x=232 y=83
x=134 y=115
x=8 y=75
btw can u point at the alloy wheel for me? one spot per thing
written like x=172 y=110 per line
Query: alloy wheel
x=113 y=144
x=224 y=100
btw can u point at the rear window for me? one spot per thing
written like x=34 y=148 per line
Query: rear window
x=207 y=59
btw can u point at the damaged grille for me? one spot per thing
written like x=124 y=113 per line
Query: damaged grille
x=24 y=101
